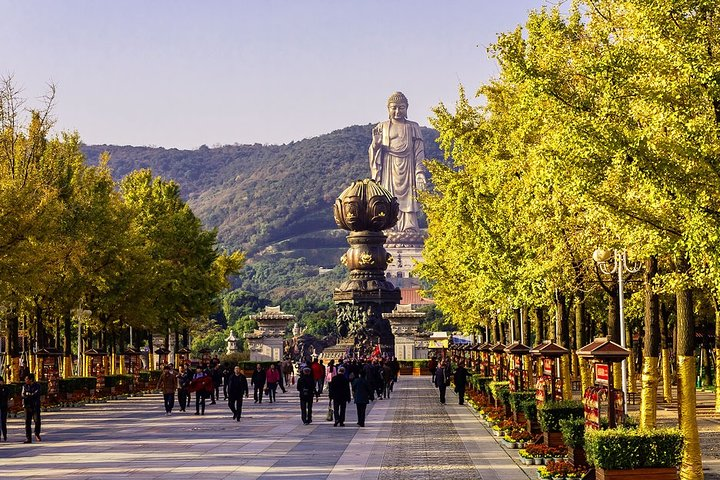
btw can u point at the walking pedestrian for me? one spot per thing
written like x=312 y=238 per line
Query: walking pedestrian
x=4 y=405
x=258 y=382
x=339 y=393
x=216 y=375
x=237 y=388
x=202 y=386
x=318 y=373
x=31 y=401
x=432 y=366
x=287 y=370
x=227 y=372
x=282 y=382
x=362 y=393
x=460 y=378
x=184 y=380
x=442 y=379
x=272 y=377
x=168 y=383
x=306 y=388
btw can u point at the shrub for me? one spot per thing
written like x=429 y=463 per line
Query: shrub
x=15 y=389
x=117 y=380
x=550 y=413
x=235 y=358
x=75 y=384
x=623 y=448
x=529 y=408
x=573 y=432
x=420 y=364
x=517 y=398
x=480 y=383
x=500 y=391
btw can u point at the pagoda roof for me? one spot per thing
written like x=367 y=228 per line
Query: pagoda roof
x=498 y=348
x=94 y=352
x=517 y=348
x=549 y=349
x=603 y=349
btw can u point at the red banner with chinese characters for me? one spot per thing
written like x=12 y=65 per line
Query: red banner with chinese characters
x=602 y=373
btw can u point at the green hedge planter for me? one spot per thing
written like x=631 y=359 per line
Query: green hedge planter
x=550 y=413
x=624 y=448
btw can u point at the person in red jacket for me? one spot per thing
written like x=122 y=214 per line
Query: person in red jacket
x=202 y=386
x=272 y=377
x=318 y=374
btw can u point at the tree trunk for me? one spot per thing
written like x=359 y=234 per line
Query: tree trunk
x=563 y=339
x=666 y=345
x=691 y=467
x=717 y=357
x=67 y=347
x=13 y=323
x=651 y=349
x=581 y=340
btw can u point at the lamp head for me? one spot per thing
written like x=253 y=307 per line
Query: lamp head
x=601 y=256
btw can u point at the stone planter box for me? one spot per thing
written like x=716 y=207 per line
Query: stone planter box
x=669 y=473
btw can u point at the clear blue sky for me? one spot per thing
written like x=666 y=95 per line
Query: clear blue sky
x=178 y=73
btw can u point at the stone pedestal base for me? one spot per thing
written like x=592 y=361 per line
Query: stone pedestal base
x=404 y=348
x=266 y=349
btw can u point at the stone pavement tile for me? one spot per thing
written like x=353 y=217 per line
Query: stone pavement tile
x=490 y=458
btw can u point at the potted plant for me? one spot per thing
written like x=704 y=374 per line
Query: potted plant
x=550 y=414
x=525 y=457
x=516 y=400
x=562 y=470
x=529 y=409
x=537 y=452
x=623 y=453
x=508 y=442
x=573 y=434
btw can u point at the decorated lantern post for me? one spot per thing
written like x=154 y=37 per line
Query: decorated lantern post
x=162 y=357
x=182 y=356
x=498 y=364
x=49 y=369
x=132 y=364
x=484 y=350
x=517 y=376
x=96 y=366
x=603 y=353
x=549 y=385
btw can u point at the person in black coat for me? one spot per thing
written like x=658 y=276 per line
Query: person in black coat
x=460 y=378
x=306 y=386
x=442 y=378
x=363 y=394
x=237 y=387
x=339 y=393
x=4 y=405
x=258 y=381
x=31 y=402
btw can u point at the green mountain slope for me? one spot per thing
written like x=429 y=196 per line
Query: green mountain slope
x=264 y=199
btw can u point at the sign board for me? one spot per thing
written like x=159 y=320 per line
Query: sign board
x=440 y=343
x=547 y=366
x=602 y=373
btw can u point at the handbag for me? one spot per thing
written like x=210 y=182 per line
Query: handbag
x=329 y=416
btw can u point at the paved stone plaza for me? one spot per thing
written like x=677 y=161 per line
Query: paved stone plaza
x=409 y=436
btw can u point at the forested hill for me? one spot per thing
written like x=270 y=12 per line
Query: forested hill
x=263 y=198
